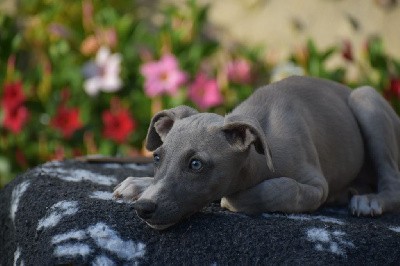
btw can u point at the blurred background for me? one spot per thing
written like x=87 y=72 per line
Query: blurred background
x=85 y=77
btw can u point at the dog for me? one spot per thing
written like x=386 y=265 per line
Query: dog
x=291 y=147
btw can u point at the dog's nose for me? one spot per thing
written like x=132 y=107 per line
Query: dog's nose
x=145 y=208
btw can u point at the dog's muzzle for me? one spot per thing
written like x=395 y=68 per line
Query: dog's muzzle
x=145 y=208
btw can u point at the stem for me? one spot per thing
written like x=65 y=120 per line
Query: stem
x=156 y=105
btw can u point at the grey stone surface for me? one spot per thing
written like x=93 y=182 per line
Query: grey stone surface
x=63 y=213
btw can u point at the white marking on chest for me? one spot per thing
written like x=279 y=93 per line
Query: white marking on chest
x=57 y=212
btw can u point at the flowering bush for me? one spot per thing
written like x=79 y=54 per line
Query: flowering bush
x=85 y=77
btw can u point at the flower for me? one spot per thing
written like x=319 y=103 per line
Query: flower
x=15 y=114
x=59 y=153
x=347 y=51
x=239 y=71
x=118 y=124
x=13 y=95
x=67 y=121
x=103 y=73
x=204 y=92
x=395 y=87
x=15 y=118
x=87 y=14
x=163 y=76
x=89 y=45
x=59 y=30
x=20 y=158
x=285 y=70
x=106 y=37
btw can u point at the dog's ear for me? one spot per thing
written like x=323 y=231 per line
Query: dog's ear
x=162 y=123
x=241 y=131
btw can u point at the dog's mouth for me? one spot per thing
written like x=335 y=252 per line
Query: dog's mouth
x=163 y=226
x=158 y=223
x=160 y=226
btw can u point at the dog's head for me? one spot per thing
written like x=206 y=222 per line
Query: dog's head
x=198 y=158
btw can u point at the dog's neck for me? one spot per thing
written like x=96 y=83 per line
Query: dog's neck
x=253 y=171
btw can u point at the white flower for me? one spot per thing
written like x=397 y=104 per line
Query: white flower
x=103 y=73
x=285 y=70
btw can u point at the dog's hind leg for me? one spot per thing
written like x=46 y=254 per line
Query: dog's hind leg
x=380 y=127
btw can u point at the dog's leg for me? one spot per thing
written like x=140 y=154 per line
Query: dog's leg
x=281 y=194
x=132 y=187
x=380 y=127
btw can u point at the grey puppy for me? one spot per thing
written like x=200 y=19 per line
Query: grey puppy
x=290 y=147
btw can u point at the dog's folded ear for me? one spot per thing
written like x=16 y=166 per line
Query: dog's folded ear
x=162 y=123
x=242 y=131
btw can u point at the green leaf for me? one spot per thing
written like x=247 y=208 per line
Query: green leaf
x=328 y=53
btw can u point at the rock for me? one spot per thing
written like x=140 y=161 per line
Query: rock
x=63 y=213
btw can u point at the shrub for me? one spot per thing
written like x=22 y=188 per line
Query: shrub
x=85 y=77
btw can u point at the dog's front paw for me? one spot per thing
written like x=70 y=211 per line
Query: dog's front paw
x=366 y=205
x=225 y=204
x=132 y=187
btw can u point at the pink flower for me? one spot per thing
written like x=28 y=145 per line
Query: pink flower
x=239 y=71
x=204 y=92
x=163 y=76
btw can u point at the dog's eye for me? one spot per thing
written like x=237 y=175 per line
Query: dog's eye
x=195 y=165
x=156 y=159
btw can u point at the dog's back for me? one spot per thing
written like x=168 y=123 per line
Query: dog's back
x=309 y=116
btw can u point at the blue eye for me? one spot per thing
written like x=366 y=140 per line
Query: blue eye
x=195 y=165
x=156 y=159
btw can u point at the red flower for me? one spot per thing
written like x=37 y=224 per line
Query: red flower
x=395 y=87
x=67 y=121
x=59 y=154
x=118 y=124
x=347 y=51
x=21 y=158
x=15 y=119
x=13 y=95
